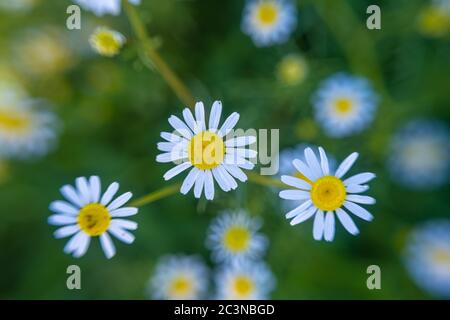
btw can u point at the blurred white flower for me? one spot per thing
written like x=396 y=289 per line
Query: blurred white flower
x=344 y=105
x=206 y=151
x=106 y=42
x=101 y=7
x=419 y=155
x=233 y=237
x=244 y=281
x=326 y=194
x=269 y=22
x=86 y=213
x=179 y=277
x=427 y=257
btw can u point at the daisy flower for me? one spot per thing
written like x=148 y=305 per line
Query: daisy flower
x=106 y=42
x=292 y=70
x=269 y=22
x=206 y=150
x=344 y=105
x=427 y=257
x=179 y=277
x=101 y=7
x=419 y=155
x=233 y=236
x=86 y=213
x=26 y=130
x=326 y=194
x=244 y=281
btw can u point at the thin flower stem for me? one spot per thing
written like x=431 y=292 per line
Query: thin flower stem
x=265 y=181
x=156 y=195
x=149 y=51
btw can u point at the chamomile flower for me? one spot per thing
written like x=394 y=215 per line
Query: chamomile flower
x=26 y=129
x=86 y=213
x=326 y=194
x=102 y=7
x=292 y=70
x=106 y=42
x=244 y=281
x=269 y=22
x=206 y=150
x=344 y=105
x=427 y=257
x=179 y=277
x=419 y=155
x=233 y=237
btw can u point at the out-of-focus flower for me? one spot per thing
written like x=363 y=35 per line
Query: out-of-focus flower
x=427 y=257
x=102 y=7
x=233 y=237
x=106 y=42
x=292 y=70
x=419 y=155
x=86 y=213
x=179 y=277
x=269 y=22
x=11 y=89
x=344 y=105
x=17 y=5
x=26 y=129
x=244 y=281
x=434 y=19
x=204 y=149
x=42 y=52
x=325 y=194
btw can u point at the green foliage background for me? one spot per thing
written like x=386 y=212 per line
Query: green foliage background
x=112 y=111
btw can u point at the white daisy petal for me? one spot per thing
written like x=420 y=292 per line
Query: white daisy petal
x=312 y=162
x=356 y=188
x=120 y=201
x=190 y=121
x=229 y=124
x=214 y=117
x=220 y=180
x=329 y=226
x=83 y=189
x=70 y=194
x=346 y=165
x=324 y=162
x=240 y=141
x=74 y=242
x=189 y=180
x=180 y=127
x=107 y=245
x=199 y=183
x=95 y=187
x=66 y=231
x=61 y=219
x=242 y=153
x=236 y=172
x=294 y=195
x=361 y=199
x=209 y=185
x=358 y=211
x=170 y=156
x=319 y=224
x=296 y=182
x=347 y=222
x=304 y=169
x=165 y=146
x=122 y=235
x=83 y=245
x=124 y=212
x=360 y=178
x=303 y=216
x=124 y=224
x=176 y=170
x=298 y=210
x=109 y=193
x=63 y=207
x=200 y=114
x=239 y=161
x=170 y=137
x=227 y=176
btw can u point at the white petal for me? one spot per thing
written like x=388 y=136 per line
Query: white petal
x=318 y=227
x=61 y=219
x=229 y=124
x=313 y=163
x=172 y=156
x=356 y=188
x=296 y=182
x=63 y=207
x=303 y=216
x=304 y=206
x=109 y=193
x=198 y=187
x=240 y=141
x=239 y=161
x=120 y=201
x=227 y=176
x=220 y=180
x=214 y=117
x=361 y=199
x=180 y=127
x=83 y=190
x=189 y=180
x=236 y=172
x=303 y=169
x=200 y=114
x=324 y=162
x=83 y=245
x=358 y=211
x=95 y=185
x=73 y=243
x=346 y=165
x=176 y=170
x=107 y=245
x=70 y=194
x=347 y=222
x=121 y=234
x=124 y=224
x=209 y=185
x=294 y=195
x=66 y=231
x=165 y=146
x=174 y=138
x=242 y=153
x=124 y=212
x=360 y=178
x=190 y=121
x=329 y=226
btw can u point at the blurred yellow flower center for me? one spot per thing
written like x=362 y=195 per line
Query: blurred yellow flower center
x=180 y=287
x=94 y=219
x=14 y=122
x=301 y=176
x=343 y=105
x=236 y=238
x=441 y=256
x=267 y=13
x=243 y=286
x=434 y=21
x=328 y=193
x=292 y=70
x=106 y=42
x=206 y=150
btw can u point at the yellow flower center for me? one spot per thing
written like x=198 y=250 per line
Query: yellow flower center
x=343 y=105
x=434 y=21
x=106 y=42
x=267 y=13
x=94 y=219
x=292 y=70
x=180 y=287
x=14 y=122
x=441 y=256
x=236 y=238
x=206 y=150
x=243 y=286
x=328 y=193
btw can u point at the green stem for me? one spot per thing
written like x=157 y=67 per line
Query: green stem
x=264 y=180
x=156 y=195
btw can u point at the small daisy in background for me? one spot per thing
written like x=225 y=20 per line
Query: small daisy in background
x=234 y=236
x=102 y=7
x=106 y=42
x=179 y=277
x=269 y=22
x=86 y=213
x=427 y=257
x=434 y=19
x=244 y=281
x=344 y=105
x=292 y=70
x=419 y=154
x=206 y=150
x=326 y=194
